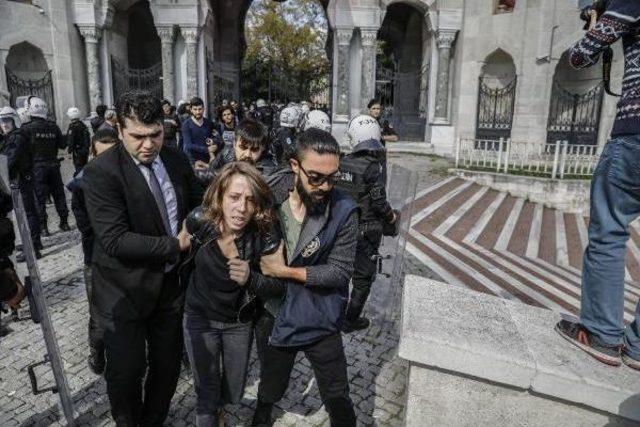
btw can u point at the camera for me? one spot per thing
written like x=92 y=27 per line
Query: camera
x=599 y=6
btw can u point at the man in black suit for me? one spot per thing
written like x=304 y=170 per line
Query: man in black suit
x=137 y=195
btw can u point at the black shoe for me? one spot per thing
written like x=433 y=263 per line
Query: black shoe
x=579 y=336
x=96 y=361
x=22 y=258
x=357 y=325
x=262 y=416
x=64 y=226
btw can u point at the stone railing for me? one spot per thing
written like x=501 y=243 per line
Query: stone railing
x=555 y=161
x=479 y=360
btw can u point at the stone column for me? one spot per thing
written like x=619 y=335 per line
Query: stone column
x=190 y=35
x=444 y=40
x=91 y=37
x=343 y=36
x=167 y=36
x=368 y=85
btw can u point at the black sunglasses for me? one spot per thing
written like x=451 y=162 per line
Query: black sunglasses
x=317 y=179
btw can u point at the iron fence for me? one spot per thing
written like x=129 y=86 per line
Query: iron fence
x=42 y=88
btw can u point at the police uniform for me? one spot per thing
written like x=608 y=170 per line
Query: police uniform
x=282 y=144
x=20 y=161
x=79 y=141
x=361 y=176
x=46 y=139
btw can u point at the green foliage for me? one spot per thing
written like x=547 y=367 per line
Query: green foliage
x=285 y=55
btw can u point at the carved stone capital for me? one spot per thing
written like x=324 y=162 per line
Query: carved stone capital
x=344 y=36
x=445 y=38
x=166 y=34
x=190 y=34
x=368 y=36
x=90 y=34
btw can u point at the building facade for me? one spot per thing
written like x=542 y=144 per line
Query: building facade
x=446 y=69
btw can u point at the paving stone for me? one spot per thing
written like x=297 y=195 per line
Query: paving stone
x=378 y=375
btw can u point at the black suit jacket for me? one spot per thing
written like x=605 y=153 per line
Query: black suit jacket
x=131 y=248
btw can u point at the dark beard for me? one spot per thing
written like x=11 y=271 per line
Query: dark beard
x=312 y=204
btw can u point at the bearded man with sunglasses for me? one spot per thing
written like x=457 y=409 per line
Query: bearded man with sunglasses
x=319 y=225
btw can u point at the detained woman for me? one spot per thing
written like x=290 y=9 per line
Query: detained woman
x=232 y=229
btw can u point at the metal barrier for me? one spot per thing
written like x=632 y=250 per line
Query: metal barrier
x=559 y=160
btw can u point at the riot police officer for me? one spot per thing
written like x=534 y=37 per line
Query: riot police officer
x=317 y=119
x=264 y=114
x=20 y=161
x=361 y=176
x=46 y=139
x=78 y=140
x=283 y=139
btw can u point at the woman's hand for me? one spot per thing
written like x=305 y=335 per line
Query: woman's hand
x=239 y=271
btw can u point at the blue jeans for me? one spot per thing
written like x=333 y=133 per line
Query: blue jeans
x=219 y=357
x=615 y=202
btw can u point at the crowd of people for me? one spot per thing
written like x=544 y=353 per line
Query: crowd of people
x=204 y=236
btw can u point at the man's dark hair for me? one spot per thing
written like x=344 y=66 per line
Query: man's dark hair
x=252 y=133
x=195 y=101
x=139 y=105
x=224 y=108
x=317 y=140
x=165 y=102
x=373 y=102
x=100 y=110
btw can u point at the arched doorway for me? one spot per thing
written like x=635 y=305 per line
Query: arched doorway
x=138 y=65
x=28 y=74
x=576 y=104
x=496 y=97
x=401 y=69
x=284 y=51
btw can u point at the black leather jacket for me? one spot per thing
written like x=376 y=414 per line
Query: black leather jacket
x=251 y=245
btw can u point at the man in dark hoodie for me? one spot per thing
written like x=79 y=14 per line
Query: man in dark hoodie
x=362 y=177
x=319 y=226
x=251 y=145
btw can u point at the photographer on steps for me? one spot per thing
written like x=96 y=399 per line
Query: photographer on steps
x=615 y=201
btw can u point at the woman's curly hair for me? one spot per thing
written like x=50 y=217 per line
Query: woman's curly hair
x=264 y=214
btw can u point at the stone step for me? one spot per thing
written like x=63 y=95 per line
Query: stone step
x=475 y=359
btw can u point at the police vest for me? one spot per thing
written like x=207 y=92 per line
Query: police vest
x=44 y=140
x=352 y=183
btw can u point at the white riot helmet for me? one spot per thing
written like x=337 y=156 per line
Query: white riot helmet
x=318 y=119
x=261 y=103
x=8 y=113
x=289 y=117
x=23 y=114
x=37 y=107
x=73 y=113
x=363 y=128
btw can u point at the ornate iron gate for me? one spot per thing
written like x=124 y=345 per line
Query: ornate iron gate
x=495 y=111
x=126 y=78
x=573 y=117
x=397 y=93
x=42 y=88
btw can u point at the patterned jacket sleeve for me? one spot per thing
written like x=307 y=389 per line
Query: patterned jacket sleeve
x=620 y=19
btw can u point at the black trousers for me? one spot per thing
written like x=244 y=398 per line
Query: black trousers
x=79 y=162
x=27 y=191
x=95 y=331
x=151 y=346
x=49 y=181
x=329 y=366
x=364 y=273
